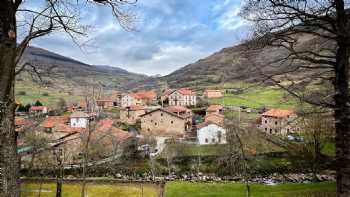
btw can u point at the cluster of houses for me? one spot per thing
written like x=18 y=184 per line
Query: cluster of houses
x=168 y=115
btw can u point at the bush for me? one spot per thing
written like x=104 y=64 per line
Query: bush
x=45 y=94
x=22 y=93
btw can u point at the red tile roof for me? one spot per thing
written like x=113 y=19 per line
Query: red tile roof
x=206 y=123
x=214 y=108
x=186 y=91
x=144 y=95
x=107 y=122
x=37 y=108
x=51 y=121
x=279 y=113
x=215 y=118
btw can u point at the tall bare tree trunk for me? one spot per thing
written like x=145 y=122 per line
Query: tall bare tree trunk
x=9 y=162
x=342 y=102
x=342 y=116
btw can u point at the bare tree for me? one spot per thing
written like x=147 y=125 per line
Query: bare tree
x=52 y=16
x=280 y=24
x=317 y=129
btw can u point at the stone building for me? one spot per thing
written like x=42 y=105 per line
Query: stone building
x=174 y=121
x=131 y=114
x=279 y=121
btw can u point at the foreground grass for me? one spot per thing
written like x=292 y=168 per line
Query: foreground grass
x=93 y=190
x=183 y=189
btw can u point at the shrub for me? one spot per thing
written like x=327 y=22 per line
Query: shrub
x=45 y=94
x=21 y=93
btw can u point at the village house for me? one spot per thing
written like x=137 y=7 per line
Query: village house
x=215 y=109
x=38 y=110
x=139 y=98
x=106 y=102
x=211 y=133
x=109 y=140
x=279 y=121
x=79 y=120
x=131 y=114
x=213 y=94
x=173 y=121
x=181 y=97
x=52 y=121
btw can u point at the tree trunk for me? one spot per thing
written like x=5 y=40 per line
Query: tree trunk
x=9 y=162
x=342 y=117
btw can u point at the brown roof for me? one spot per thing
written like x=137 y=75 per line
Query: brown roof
x=51 y=121
x=19 y=121
x=166 y=111
x=177 y=109
x=279 y=113
x=67 y=129
x=215 y=118
x=79 y=114
x=120 y=134
x=135 y=107
x=213 y=108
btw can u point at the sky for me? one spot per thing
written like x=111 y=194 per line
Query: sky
x=168 y=34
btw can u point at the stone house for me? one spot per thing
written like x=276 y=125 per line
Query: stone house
x=279 y=122
x=182 y=97
x=131 y=114
x=215 y=109
x=79 y=120
x=214 y=117
x=174 y=121
x=213 y=94
x=211 y=133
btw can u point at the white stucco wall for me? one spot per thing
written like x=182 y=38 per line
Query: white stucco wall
x=210 y=135
x=78 y=122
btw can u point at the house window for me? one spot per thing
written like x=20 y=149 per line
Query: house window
x=161 y=114
x=265 y=121
x=172 y=122
x=213 y=140
x=265 y=129
x=270 y=131
x=155 y=123
x=148 y=129
x=276 y=123
x=288 y=130
x=206 y=140
x=151 y=120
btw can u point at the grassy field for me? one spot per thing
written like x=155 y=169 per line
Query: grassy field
x=93 y=190
x=258 y=97
x=186 y=189
x=29 y=93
